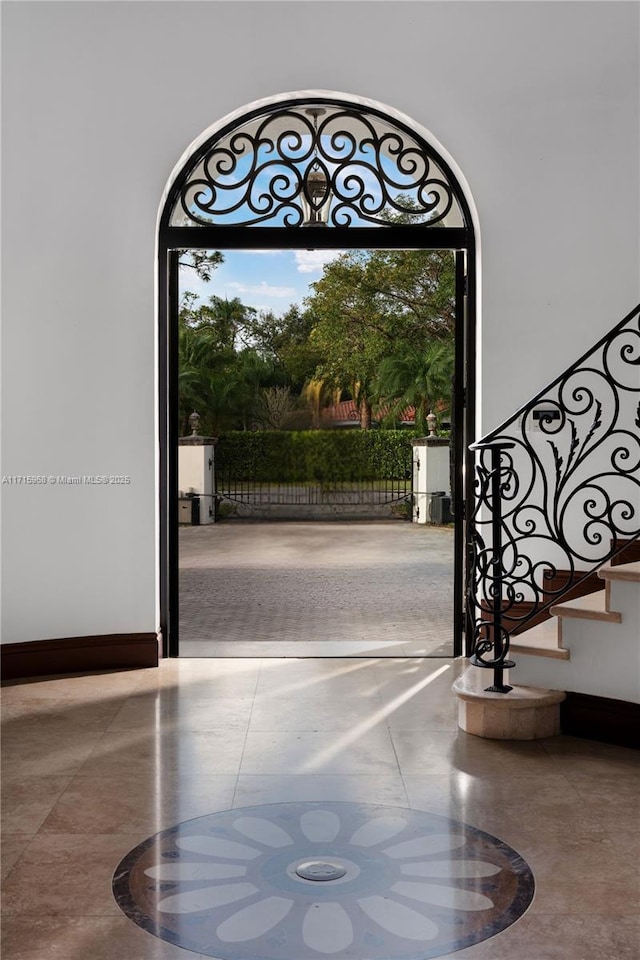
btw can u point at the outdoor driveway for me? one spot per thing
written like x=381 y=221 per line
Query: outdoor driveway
x=316 y=589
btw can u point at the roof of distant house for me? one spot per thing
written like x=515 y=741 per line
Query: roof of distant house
x=346 y=411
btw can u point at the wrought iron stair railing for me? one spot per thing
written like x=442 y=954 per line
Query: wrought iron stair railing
x=557 y=488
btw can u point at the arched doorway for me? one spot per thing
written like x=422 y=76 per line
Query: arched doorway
x=313 y=170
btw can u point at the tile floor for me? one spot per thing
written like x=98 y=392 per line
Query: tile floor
x=95 y=764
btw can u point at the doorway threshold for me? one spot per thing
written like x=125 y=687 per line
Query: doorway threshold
x=314 y=648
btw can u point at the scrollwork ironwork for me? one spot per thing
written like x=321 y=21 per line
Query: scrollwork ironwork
x=259 y=174
x=569 y=491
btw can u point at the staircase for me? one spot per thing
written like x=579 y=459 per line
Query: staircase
x=556 y=519
x=590 y=645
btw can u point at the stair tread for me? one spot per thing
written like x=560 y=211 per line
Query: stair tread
x=540 y=641
x=592 y=606
x=622 y=571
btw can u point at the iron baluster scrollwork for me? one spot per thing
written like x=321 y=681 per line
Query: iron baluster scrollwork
x=557 y=492
x=491 y=640
x=263 y=173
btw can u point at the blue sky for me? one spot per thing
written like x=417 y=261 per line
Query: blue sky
x=265 y=279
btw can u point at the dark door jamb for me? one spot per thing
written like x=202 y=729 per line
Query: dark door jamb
x=174 y=239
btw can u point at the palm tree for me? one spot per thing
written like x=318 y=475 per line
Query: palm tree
x=206 y=384
x=417 y=376
x=320 y=392
x=253 y=373
x=363 y=396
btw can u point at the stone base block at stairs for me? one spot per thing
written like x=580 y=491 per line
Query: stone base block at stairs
x=525 y=713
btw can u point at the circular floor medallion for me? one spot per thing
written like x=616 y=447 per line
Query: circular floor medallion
x=398 y=883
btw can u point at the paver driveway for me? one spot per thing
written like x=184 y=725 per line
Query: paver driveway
x=316 y=589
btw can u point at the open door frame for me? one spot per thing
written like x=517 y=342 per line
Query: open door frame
x=175 y=239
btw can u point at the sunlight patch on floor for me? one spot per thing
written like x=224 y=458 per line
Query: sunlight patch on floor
x=317 y=761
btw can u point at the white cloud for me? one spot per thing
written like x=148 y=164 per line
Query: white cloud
x=312 y=261
x=189 y=280
x=261 y=289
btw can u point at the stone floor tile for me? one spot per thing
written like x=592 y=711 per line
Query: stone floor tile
x=86 y=688
x=458 y=794
x=444 y=751
x=178 y=708
x=148 y=751
x=594 y=897
x=354 y=679
x=319 y=752
x=620 y=792
x=65 y=875
x=137 y=803
x=44 y=754
x=11 y=849
x=572 y=937
x=573 y=857
x=27 y=801
x=317 y=712
x=356 y=788
x=574 y=756
x=58 y=714
x=616 y=810
x=414 y=714
x=84 y=938
x=203 y=678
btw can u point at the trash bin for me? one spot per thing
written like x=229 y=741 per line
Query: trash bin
x=189 y=509
x=440 y=508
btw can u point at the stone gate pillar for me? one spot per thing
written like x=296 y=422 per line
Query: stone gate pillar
x=196 y=476
x=430 y=476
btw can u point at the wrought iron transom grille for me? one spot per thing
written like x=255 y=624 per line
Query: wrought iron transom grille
x=270 y=170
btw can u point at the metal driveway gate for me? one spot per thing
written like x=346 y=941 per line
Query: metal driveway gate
x=241 y=494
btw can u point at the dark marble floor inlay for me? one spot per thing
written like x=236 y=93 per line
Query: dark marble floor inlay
x=389 y=883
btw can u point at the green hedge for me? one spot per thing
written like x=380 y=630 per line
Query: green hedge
x=314 y=456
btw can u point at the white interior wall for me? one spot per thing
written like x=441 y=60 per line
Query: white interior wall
x=537 y=103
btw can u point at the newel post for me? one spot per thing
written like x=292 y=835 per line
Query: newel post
x=499 y=644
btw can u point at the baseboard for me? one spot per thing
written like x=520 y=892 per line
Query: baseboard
x=598 y=718
x=78 y=655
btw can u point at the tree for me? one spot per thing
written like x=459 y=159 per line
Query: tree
x=417 y=376
x=226 y=319
x=220 y=382
x=202 y=262
x=285 y=340
x=253 y=374
x=205 y=379
x=369 y=305
x=318 y=393
x=217 y=377
x=224 y=387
